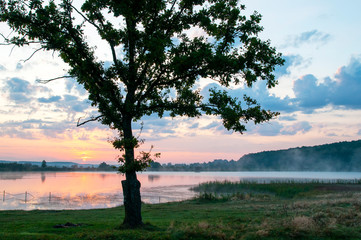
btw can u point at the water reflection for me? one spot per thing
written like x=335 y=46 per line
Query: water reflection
x=11 y=175
x=103 y=175
x=25 y=175
x=82 y=190
x=43 y=177
x=153 y=178
x=80 y=201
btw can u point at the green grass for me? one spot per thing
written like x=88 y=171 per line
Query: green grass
x=284 y=189
x=320 y=215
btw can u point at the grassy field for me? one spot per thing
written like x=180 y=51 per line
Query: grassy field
x=313 y=211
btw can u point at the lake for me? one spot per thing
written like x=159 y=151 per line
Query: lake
x=86 y=190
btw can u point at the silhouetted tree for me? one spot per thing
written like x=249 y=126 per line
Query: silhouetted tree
x=43 y=164
x=155 y=166
x=105 y=167
x=155 y=63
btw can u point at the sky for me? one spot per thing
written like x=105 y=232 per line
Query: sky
x=318 y=96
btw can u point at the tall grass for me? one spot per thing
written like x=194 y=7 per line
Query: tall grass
x=279 y=188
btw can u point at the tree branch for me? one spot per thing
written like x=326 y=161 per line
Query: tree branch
x=89 y=120
x=8 y=41
x=32 y=54
x=167 y=34
x=52 y=79
x=112 y=47
x=85 y=18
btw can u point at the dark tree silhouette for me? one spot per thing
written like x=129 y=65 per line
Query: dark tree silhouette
x=155 y=63
x=43 y=164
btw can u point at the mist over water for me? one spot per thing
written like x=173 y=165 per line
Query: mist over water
x=86 y=190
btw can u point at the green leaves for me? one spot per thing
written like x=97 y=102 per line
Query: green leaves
x=232 y=112
x=140 y=163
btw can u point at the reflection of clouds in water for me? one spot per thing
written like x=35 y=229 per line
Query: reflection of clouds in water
x=57 y=201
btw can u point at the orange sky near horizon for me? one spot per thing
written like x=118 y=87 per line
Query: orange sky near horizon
x=173 y=150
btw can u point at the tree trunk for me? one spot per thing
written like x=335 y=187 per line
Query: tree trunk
x=132 y=201
x=131 y=185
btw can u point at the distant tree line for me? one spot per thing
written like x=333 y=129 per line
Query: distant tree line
x=22 y=167
x=341 y=156
x=215 y=165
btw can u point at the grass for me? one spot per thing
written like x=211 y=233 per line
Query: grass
x=324 y=214
x=284 y=189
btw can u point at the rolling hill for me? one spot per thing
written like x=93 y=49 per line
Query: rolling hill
x=341 y=156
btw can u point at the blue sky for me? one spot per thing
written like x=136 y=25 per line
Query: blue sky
x=318 y=96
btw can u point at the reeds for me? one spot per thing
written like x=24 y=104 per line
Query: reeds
x=279 y=188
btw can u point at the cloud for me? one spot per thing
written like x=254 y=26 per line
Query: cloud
x=26 y=96
x=54 y=129
x=195 y=125
x=72 y=84
x=339 y=91
x=293 y=129
x=72 y=104
x=265 y=129
x=80 y=106
x=19 y=66
x=343 y=91
x=310 y=37
x=35 y=128
x=348 y=86
x=19 y=129
x=50 y=99
x=260 y=92
x=275 y=128
x=309 y=94
x=213 y=124
x=290 y=61
x=2 y=68
x=20 y=91
x=288 y=118
x=15 y=133
x=70 y=98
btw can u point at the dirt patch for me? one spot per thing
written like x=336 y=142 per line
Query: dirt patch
x=68 y=224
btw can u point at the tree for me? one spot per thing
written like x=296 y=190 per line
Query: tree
x=155 y=63
x=43 y=164
x=103 y=165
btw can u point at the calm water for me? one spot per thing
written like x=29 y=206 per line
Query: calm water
x=84 y=190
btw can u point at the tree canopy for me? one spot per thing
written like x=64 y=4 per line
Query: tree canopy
x=155 y=60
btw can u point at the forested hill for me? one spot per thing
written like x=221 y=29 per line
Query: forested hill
x=342 y=156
